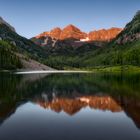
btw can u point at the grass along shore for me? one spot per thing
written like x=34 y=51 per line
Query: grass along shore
x=125 y=68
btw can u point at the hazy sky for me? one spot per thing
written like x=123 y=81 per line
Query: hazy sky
x=31 y=17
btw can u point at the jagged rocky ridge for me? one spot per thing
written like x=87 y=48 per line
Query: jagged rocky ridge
x=73 y=36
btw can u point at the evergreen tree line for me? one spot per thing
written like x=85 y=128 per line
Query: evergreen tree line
x=8 y=60
x=128 y=54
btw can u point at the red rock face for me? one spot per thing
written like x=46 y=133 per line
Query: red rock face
x=72 y=32
x=55 y=33
x=104 y=35
x=69 y=31
x=44 y=34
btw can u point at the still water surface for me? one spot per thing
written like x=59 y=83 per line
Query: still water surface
x=69 y=107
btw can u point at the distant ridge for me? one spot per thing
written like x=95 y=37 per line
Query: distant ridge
x=72 y=32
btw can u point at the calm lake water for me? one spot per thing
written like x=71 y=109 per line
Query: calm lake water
x=69 y=107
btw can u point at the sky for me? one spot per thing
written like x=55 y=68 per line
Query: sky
x=32 y=17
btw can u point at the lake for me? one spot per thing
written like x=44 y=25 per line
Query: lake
x=78 y=106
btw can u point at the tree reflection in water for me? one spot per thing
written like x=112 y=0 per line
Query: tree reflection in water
x=72 y=92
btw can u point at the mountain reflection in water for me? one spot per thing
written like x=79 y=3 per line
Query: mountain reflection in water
x=70 y=93
x=73 y=106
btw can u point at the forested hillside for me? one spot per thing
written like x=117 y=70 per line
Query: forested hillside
x=123 y=50
x=128 y=54
x=8 y=59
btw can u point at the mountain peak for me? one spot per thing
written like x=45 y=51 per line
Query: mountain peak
x=71 y=27
x=72 y=31
x=2 y=21
x=55 y=33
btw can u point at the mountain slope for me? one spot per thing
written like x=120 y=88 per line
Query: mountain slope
x=2 y=21
x=8 y=60
x=131 y=32
x=126 y=51
x=61 y=54
x=14 y=46
x=104 y=35
x=73 y=32
x=23 y=44
x=123 y=50
x=74 y=37
x=69 y=32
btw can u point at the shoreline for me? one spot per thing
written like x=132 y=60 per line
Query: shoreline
x=100 y=69
x=52 y=72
